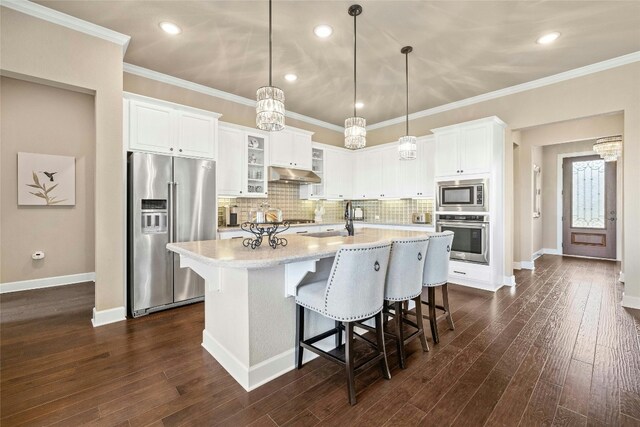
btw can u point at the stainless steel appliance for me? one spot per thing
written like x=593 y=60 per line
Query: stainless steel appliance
x=464 y=195
x=292 y=175
x=170 y=199
x=421 y=218
x=471 y=236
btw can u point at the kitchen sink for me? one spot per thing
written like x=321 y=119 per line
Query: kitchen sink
x=341 y=233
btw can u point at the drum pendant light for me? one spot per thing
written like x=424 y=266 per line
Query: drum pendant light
x=407 y=145
x=270 y=106
x=355 y=128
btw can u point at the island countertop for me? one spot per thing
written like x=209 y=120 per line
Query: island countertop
x=232 y=254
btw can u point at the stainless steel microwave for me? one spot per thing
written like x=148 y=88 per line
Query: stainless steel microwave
x=464 y=195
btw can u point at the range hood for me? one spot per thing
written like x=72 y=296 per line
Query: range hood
x=290 y=175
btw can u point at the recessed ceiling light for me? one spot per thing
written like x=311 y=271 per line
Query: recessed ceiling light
x=548 y=38
x=323 y=31
x=290 y=77
x=359 y=104
x=170 y=28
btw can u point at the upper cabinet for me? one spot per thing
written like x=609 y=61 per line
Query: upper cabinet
x=290 y=148
x=157 y=126
x=242 y=162
x=334 y=167
x=466 y=149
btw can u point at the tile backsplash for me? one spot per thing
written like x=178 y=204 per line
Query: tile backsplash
x=286 y=197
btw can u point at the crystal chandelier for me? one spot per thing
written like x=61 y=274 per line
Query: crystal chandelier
x=270 y=105
x=407 y=145
x=355 y=128
x=609 y=148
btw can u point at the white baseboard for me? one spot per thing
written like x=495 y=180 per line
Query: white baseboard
x=516 y=265
x=527 y=265
x=509 y=280
x=112 y=315
x=551 y=251
x=538 y=254
x=47 y=282
x=255 y=376
x=621 y=277
x=630 y=302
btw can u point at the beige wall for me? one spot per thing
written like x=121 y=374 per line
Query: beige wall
x=231 y=112
x=46 y=120
x=35 y=49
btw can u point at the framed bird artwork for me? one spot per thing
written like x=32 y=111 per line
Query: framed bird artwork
x=46 y=180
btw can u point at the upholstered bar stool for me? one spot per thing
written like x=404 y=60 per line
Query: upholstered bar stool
x=436 y=274
x=353 y=292
x=404 y=283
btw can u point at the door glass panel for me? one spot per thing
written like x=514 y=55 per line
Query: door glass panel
x=588 y=194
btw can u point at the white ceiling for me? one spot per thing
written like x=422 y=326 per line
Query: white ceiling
x=461 y=48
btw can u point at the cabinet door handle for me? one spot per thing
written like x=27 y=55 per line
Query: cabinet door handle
x=237 y=237
x=180 y=150
x=460 y=272
x=301 y=232
x=240 y=191
x=171 y=149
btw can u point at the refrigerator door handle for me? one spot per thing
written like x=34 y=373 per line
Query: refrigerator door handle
x=170 y=208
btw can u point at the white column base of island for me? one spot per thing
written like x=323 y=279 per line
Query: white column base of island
x=249 y=304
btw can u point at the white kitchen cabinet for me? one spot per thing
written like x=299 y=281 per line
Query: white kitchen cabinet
x=390 y=173
x=231 y=163
x=337 y=174
x=157 y=126
x=426 y=172
x=447 y=149
x=150 y=127
x=367 y=183
x=290 y=148
x=196 y=134
x=242 y=170
x=464 y=149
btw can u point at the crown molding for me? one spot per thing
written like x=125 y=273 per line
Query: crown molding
x=534 y=84
x=59 y=18
x=196 y=87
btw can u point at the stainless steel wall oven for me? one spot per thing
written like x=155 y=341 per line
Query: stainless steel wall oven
x=471 y=236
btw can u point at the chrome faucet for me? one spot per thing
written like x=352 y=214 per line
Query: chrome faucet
x=348 y=215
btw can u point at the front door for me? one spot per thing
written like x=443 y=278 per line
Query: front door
x=589 y=207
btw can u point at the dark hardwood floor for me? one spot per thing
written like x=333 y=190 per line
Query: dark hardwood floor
x=556 y=349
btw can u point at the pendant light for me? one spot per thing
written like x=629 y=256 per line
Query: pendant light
x=355 y=128
x=407 y=145
x=609 y=148
x=270 y=105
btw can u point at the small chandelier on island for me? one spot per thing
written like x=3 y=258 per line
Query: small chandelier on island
x=270 y=106
x=355 y=128
x=609 y=148
x=407 y=145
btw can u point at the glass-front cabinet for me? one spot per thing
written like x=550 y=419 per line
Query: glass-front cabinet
x=256 y=166
x=242 y=162
x=315 y=191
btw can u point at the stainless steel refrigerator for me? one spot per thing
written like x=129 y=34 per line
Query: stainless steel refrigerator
x=170 y=199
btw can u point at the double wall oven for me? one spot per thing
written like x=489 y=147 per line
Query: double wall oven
x=463 y=208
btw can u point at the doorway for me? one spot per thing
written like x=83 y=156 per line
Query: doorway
x=589 y=207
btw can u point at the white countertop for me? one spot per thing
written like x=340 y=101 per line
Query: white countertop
x=338 y=224
x=232 y=254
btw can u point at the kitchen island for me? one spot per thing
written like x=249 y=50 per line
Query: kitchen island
x=249 y=304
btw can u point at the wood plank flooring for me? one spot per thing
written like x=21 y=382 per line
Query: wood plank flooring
x=558 y=349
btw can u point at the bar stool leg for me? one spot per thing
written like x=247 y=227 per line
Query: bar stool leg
x=348 y=357
x=384 y=366
x=445 y=303
x=419 y=322
x=299 y=334
x=397 y=306
x=432 y=314
x=339 y=334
